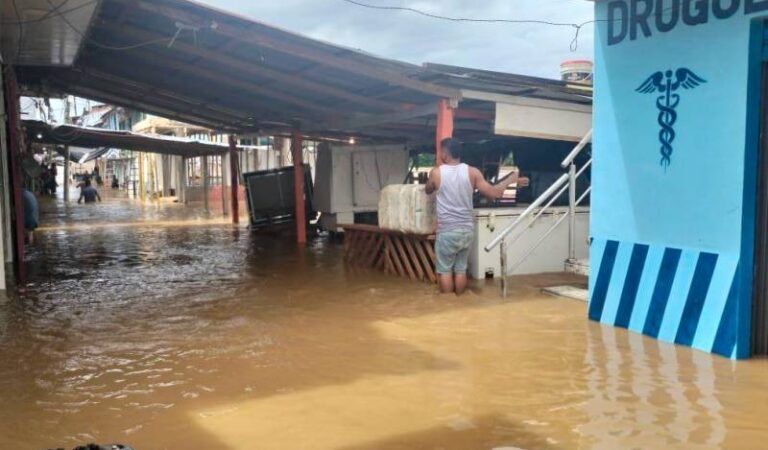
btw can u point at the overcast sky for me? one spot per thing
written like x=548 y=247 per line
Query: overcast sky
x=517 y=48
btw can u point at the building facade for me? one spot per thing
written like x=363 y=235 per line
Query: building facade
x=677 y=120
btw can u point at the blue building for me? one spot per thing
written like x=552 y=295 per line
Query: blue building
x=679 y=217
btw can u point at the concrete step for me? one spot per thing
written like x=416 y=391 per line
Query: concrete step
x=577 y=266
x=572 y=292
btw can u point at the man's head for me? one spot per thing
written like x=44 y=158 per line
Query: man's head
x=87 y=182
x=451 y=149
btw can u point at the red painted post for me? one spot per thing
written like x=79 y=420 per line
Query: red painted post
x=444 y=127
x=234 y=179
x=298 y=184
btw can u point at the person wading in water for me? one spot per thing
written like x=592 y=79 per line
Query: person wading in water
x=455 y=184
x=88 y=193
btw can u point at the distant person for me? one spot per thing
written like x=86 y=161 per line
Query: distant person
x=115 y=183
x=31 y=215
x=455 y=184
x=88 y=193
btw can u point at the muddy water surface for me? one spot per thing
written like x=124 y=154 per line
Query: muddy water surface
x=154 y=327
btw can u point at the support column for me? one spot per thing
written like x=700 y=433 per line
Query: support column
x=234 y=179
x=444 y=127
x=206 y=183
x=285 y=148
x=15 y=139
x=182 y=180
x=66 y=174
x=298 y=185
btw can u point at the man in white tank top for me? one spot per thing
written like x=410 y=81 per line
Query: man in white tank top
x=455 y=184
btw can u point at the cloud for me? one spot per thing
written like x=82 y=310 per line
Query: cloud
x=527 y=49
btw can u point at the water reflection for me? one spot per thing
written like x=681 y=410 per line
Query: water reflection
x=667 y=392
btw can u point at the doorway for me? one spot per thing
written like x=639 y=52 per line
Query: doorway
x=759 y=342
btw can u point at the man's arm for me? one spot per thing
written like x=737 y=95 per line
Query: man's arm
x=433 y=184
x=496 y=191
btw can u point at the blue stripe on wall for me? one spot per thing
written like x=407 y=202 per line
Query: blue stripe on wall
x=714 y=305
x=661 y=291
x=725 y=339
x=677 y=296
x=631 y=285
x=597 y=302
x=619 y=274
x=702 y=277
x=596 y=249
x=645 y=292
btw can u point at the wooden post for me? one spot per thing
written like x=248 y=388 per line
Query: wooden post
x=298 y=184
x=235 y=178
x=444 y=127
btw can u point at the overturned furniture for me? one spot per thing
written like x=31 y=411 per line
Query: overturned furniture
x=271 y=199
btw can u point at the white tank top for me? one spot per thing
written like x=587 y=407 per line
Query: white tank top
x=454 y=199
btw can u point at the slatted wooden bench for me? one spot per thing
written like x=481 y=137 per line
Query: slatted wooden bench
x=391 y=251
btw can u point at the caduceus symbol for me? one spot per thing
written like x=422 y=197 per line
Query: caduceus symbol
x=667 y=84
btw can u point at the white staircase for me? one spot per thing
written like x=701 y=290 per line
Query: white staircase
x=577 y=266
x=566 y=183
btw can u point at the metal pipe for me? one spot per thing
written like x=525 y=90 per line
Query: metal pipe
x=234 y=178
x=576 y=150
x=6 y=185
x=206 y=183
x=572 y=212
x=536 y=203
x=66 y=174
x=503 y=250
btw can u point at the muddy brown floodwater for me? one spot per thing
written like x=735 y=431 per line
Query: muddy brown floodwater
x=152 y=327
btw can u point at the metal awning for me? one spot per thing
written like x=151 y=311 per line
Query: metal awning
x=189 y=62
x=41 y=132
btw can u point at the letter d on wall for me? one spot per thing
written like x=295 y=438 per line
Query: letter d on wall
x=618 y=22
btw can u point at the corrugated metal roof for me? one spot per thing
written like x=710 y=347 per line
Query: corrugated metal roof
x=196 y=64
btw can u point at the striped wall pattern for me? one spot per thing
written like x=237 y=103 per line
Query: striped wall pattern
x=686 y=297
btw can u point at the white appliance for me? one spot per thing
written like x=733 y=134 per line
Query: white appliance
x=550 y=256
x=350 y=177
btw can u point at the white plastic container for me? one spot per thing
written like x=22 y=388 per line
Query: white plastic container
x=407 y=208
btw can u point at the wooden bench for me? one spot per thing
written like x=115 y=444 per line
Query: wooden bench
x=394 y=252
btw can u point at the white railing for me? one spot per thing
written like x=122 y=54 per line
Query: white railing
x=558 y=188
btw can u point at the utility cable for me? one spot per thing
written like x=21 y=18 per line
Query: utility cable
x=576 y=26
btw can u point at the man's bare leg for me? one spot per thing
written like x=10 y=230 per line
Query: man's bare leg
x=445 y=280
x=460 y=283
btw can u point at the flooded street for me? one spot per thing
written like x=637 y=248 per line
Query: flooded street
x=150 y=326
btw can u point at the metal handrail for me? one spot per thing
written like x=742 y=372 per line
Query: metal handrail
x=535 y=246
x=528 y=211
x=576 y=150
x=551 y=201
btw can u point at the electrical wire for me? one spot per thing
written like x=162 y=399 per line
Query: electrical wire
x=576 y=26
